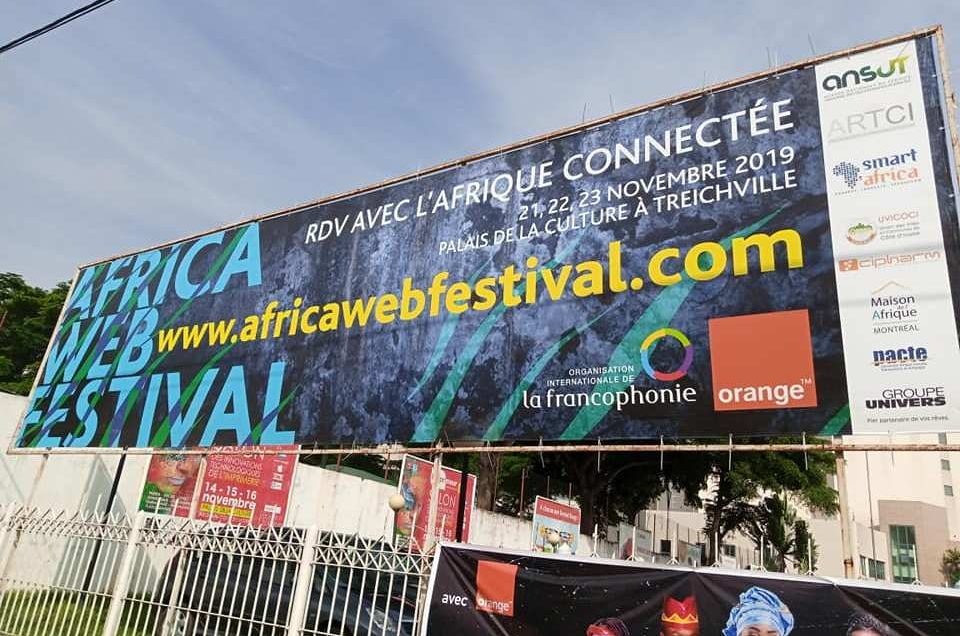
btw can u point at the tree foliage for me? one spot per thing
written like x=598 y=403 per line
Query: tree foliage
x=950 y=566
x=737 y=484
x=28 y=315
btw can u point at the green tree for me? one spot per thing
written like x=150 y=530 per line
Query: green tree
x=950 y=566
x=806 y=551
x=736 y=484
x=27 y=317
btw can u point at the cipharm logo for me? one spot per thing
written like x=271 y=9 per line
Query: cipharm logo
x=777 y=375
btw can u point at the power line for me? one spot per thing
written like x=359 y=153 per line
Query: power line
x=56 y=24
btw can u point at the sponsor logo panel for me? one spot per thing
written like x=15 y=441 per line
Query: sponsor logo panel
x=762 y=361
x=871 y=121
x=877 y=172
x=496 y=587
x=894 y=310
x=865 y=78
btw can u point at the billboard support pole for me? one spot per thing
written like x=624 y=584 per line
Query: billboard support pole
x=847 y=540
x=462 y=498
x=436 y=479
x=88 y=578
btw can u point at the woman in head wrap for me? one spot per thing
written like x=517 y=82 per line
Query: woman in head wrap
x=608 y=627
x=759 y=613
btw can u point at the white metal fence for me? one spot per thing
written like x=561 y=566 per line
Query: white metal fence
x=84 y=574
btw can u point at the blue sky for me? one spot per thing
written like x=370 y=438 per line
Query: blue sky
x=150 y=120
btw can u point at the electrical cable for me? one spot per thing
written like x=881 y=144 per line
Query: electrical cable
x=59 y=22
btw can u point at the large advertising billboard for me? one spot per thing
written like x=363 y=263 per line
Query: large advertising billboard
x=480 y=592
x=769 y=256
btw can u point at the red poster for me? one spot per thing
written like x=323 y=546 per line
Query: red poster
x=247 y=488
x=170 y=484
x=415 y=486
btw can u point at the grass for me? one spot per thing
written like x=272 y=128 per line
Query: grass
x=47 y=613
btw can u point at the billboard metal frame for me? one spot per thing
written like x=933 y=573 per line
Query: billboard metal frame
x=834 y=445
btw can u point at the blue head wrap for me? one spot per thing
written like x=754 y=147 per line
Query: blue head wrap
x=759 y=607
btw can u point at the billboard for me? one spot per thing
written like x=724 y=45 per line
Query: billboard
x=416 y=479
x=550 y=517
x=773 y=255
x=479 y=592
x=247 y=488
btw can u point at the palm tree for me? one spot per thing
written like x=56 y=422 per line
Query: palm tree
x=950 y=566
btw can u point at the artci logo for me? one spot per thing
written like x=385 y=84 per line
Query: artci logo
x=880 y=75
x=861 y=233
x=777 y=375
x=878 y=172
x=871 y=121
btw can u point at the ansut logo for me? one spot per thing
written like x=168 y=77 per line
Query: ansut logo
x=865 y=74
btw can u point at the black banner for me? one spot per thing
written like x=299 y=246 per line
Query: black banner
x=484 y=592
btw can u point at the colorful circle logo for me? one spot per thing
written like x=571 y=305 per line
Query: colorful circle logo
x=647 y=347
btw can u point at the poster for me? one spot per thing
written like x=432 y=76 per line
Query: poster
x=776 y=255
x=416 y=479
x=170 y=484
x=247 y=488
x=478 y=592
x=550 y=517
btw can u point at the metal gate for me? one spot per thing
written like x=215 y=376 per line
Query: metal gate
x=80 y=574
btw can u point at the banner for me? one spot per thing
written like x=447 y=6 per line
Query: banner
x=247 y=488
x=774 y=255
x=416 y=486
x=170 y=484
x=478 y=592
x=553 y=517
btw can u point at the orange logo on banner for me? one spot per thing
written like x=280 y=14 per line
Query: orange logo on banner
x=496 y=587
x=762 y=361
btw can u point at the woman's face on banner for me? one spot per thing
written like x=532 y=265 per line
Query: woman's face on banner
x=760 y=630
x=680 y=630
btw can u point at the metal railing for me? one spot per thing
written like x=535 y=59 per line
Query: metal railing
x=86 y=574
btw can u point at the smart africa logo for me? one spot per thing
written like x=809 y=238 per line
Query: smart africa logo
x=848 y=172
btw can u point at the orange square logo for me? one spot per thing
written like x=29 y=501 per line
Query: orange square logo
x=762 y=361
x=496 y=587
x=849 y=265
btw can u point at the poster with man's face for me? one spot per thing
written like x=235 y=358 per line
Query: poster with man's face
x=170 y=484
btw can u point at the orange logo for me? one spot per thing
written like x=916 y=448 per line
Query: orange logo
x=496 y=587
x=762 y=361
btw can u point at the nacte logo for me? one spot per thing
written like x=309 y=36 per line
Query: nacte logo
x=777 y=375
x=866 y=74
x=496 y=587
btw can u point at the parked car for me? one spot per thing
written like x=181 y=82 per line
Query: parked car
x=232 y=583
